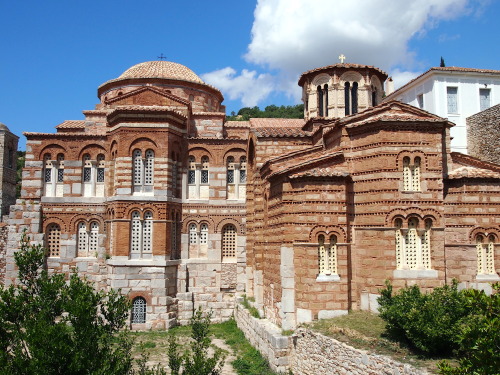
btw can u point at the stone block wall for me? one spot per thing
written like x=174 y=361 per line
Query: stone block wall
x=4 y=232
x=483 y=134
x=313 y=353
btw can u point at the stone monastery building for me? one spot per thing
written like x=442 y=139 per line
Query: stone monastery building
x=156 y=194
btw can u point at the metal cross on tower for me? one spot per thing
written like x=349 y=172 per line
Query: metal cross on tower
x=342 y=58
x=161 y=57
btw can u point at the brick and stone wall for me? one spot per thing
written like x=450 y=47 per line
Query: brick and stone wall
x=483 y=134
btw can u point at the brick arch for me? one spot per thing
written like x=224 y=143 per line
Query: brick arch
x=199 y=152
x=73 y=223
x=321 y=79
x=142 y=208
x=327 y=231
x=486 y=232
x=146 y=295
x=420 y=214
x=412 y=155
x=93 y=150
x=223 y=222
x=236 y=152
x=53 y=149
x=54 y=220
x=198 y=219
x=350 y=76
x=143 y=144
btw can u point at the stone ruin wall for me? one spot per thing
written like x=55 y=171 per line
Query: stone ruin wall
x=483 y=135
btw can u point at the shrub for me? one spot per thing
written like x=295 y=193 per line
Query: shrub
x=427 y=321
x=478 y=336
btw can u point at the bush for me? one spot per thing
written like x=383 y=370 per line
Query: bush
x=478 y=336
x=429 y=322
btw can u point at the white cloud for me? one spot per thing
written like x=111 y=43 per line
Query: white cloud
x=293 y=36
x=250 y=87
x=401 y=77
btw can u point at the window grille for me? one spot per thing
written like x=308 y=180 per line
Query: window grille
x=136 y=233
x=490 y=256
x=243 y=170
x=204 y=170
x=137 y=161
x=485 y=255
x=229 y=241
x=87 y=173
x=147 y=233
x=93 y=238
x=193 y=234
x=53 y=240
x=332 y=255
x=426 y=245
x=415 y=175
x=82 y=239
x=406 y=174
x=204 y=233
x=321 y=254
x=60 y=175
x=100 y=168
x=230 y=170
x=192 y=171
x=399 y=245
x=138 y=310
x=148 y=168
x=411 y=244
x=48 y=174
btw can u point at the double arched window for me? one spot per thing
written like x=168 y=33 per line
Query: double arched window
x=88 y=239
x=141 y=235
x=143 y=171
x=485 y=247
x=413 y=250
x=198 y=178
x=198 y=240
x=53 y=175
x=236 y=177
x=327 y=255
x=93 y=176
x=411 y=174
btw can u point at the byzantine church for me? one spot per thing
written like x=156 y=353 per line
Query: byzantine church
x=157 y=195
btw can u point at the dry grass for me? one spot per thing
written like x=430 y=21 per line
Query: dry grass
x=365 y=330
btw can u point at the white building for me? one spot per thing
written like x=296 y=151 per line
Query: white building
x=453 y=93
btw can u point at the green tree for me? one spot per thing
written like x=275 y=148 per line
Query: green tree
x=52 y=325
x=196 y=360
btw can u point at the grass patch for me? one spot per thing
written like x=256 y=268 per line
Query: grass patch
x=252 y=310
x=365 y=330
x=248 y=360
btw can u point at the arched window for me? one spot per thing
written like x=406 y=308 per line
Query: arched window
x=94 y=238
x=60 y=168
x=53 y=240
x=332 y=255
x=413 y=244
x=320 y=101
x=485 y=255
x=138 y=310
x=325 y=99
x=243 y=170
x=93 y=176
x=191 y=170
x=229 y=242
x=141 y=242
x=230 y=170
x=82 y=239
x=321 y=254
x=87 y=168
x=327 y=254
x=193 y=234
x=100 y=168
x=411 y=174
x=354 y=98
x=143 y=171
x=374 y=96
x=203 y=234
x=347 y=98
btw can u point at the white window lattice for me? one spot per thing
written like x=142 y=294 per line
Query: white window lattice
x=135 y=246
x=137 y=161
x=82 y=239
x=413 y=249
x=138 y=310
x=193 y=234
x=204 y=169
x=229 y=241
x=327 y=254
x=204 y=233
x=53 y=239
x=411 y=174
x=93 y=238
x=485 y=255
x=147 y=233
x=148 y=167
x=321 y=254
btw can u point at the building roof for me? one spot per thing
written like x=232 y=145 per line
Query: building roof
x=320 y=172
x=472 y=172
x=341 y=66
x=3 y=127
x=451 y=69
x=276 y=123
x=161 y=69
x=280 y=132
x=71 y=124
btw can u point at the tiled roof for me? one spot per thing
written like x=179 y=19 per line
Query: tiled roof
x=237 y=124
x=72 y=124
x=472 y=172
x=161 y=69
x=345 y=66
x=441 y=69
x=281 y=132
x=276 y=122
x=320 y=172
x=148 y=108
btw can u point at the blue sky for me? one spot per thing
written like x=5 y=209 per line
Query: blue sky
x=55 y=53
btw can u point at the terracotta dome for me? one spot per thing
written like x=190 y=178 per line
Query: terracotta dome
x=161 y=69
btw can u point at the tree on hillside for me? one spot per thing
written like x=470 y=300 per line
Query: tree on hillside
x=51 y=325
x=271 y=111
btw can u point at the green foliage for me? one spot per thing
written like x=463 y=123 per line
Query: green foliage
x=271 y=111
x=52 y=325
x=478 y=336
x=429 y=322
x=252 y=310
x=21 y=157
x=196 y=360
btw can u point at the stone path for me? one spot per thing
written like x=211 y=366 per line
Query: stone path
x=227 y=369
